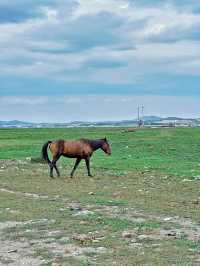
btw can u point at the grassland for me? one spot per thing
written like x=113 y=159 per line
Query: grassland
x=140 y=208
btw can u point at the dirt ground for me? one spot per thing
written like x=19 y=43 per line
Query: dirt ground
x=49 y=223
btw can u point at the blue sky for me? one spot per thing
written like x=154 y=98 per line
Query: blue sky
x=98 y=59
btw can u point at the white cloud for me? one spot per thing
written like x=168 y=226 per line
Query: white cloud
x=57 y=45
x=13 y=100
x=73 y=100
x=50 y=13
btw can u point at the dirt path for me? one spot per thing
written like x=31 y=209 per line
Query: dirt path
x=188 y=227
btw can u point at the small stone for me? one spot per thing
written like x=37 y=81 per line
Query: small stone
x=12 y=251
x=91 y=193
x=134 y=240
x=95 y=241
x=171 y=233
x=167 y=219
x=168 y=233
x=116 y=194
x=84 y=222
x=83 y=213
x=128 y=234
x=83 y=237
x=186 y=180
x=197 y=260
x=75 y=207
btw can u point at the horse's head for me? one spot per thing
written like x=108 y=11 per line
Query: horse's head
x=105 y=146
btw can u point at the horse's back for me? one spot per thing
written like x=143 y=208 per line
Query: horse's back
x=71 y=148
x=76 y=148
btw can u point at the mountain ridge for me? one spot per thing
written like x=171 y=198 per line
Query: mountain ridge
x=148 y=120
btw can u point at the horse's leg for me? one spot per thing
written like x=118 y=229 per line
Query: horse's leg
x=51 y=170
x=87 y=161
x=75 y=166
x=55 y=159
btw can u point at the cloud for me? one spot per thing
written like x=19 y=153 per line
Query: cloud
x=98 y=42
x=23 y=100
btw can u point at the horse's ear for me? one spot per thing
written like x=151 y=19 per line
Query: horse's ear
x=105 y=139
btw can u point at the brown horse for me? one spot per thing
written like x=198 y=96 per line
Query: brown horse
x=79 y=149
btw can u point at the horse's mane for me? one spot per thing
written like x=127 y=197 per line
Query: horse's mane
x=95 y=144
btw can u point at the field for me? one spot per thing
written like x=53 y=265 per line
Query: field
x=140 y=208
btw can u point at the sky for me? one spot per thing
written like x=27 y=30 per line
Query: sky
x=94 y=60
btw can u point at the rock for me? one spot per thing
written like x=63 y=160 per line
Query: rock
x=83 y=238
x=91 y=193
x=83 y=213
x=196 y=261
x=75 y=207
x=128 y=234
x=84 y=222
x=62 y=209
x=186 y=180
x=96 y=241
x=168 y=233
x=12 y=251
x=167 y=219
x=116 y=194
x=134 y=240
x=172 y=233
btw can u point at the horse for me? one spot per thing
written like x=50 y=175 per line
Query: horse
x=79 y=149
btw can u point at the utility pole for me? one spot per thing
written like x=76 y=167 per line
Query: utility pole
x=138 y=112
x=140 y=116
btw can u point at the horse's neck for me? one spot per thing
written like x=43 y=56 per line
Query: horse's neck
x=96 y=144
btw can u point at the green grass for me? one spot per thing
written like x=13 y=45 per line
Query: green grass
x=173 y=151
x=149 y=172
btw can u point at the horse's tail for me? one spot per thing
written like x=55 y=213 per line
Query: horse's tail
x=45 y=152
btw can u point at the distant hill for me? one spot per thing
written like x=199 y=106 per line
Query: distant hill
x=16 y=123
x=148 y=120
x=152 y=118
